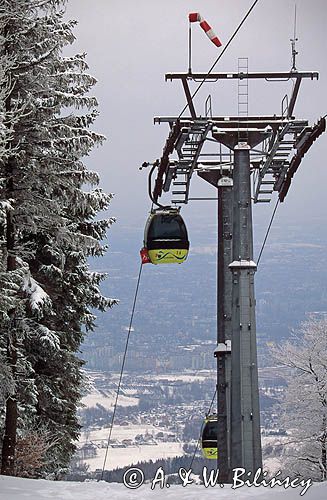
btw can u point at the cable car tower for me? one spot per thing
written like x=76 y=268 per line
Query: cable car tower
x=255 y=157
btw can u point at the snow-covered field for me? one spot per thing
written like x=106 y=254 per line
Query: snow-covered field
x=31 y=489
x=107 y=401
x=120 y=432
x=120 y=457
x=200 y=375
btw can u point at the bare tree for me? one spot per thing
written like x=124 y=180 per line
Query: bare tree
x=31 y=450
x=304 y=406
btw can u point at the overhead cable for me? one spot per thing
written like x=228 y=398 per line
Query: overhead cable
x=268 y=230
x=122 y=370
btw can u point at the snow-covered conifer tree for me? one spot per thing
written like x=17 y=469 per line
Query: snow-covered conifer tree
x=304 y=407
x=50 y=229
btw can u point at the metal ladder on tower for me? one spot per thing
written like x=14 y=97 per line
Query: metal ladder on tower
x=274 y=169
x=243 y=96
x=189 y=151
x=279 y=160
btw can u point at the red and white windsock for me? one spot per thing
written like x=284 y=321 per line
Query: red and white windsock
x=195 y=17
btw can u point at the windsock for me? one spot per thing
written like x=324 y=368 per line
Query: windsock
x=195 y=17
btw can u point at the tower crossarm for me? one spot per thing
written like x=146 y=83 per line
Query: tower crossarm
x=270 y=75
x=302 y=145
x=186 y=138
x=283 y=156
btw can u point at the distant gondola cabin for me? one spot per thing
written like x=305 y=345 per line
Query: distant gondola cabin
x=165 y=237
x=209 y=437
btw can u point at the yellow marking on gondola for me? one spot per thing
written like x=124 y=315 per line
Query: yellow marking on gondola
x=168 y=256
x=211 y=453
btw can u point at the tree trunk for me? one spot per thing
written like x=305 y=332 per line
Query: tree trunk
x=324 y=453
x=9 y=440
x=10 y=431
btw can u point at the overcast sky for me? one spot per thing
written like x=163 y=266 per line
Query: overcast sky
x=132 y=44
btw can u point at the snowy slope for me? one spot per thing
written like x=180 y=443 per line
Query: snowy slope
x=28 y=489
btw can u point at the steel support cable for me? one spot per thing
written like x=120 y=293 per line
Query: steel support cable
x=268 y=230
x=221 y=54
x=122 y=370
x=197 y=445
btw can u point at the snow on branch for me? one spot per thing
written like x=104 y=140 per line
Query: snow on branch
x=37 y=60
x=304 y=404
x=6 y=205
x=47 y=337
x=39 y=300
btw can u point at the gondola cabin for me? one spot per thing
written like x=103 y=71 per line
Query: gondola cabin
x=209 y=437
x=165 y=237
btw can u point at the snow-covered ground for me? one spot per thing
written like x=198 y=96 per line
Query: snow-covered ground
x=31 y=489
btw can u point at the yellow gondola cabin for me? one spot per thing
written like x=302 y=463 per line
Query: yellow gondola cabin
x=209 y=437
x=165 y=237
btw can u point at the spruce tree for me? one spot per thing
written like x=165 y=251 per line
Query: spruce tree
x=50 y=226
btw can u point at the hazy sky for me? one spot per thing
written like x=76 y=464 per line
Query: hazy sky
x=132 y=44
